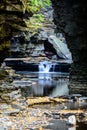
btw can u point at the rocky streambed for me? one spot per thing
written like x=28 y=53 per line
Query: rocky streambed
x=22 y=111
x=39 y=113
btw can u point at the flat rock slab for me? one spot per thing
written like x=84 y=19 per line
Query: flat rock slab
x=12 y=112
x=44 y=100
x=71 y=111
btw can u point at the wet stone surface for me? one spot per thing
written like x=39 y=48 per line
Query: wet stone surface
x=31 y=103
x=20 y=115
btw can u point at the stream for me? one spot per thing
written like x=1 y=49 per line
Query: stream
x=41 y=65
x=43 y=82
x=51 y=84
x=35 y=90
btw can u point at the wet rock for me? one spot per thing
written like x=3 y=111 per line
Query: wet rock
x=71 y=120
x=21 y=83
x=70 y=112
x=38 y=49
x=3 y=106
x=9 y=92
x=9 y=70
x=25 y=117
x=3 y=74
x=18 y=106
x=75 y=97
x=13 y=93
x=6 y=86
x=78 y=87
x=82 y=99
x=13 y=112
x=5 y=123
x=5 y=118
x=55 y=115
x=39 y=100
x=54 y=57
x=48 y=114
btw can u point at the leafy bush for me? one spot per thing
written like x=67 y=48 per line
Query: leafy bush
x=38 y=4
x=35 y=7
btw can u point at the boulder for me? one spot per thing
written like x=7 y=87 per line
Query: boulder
x=60 y=47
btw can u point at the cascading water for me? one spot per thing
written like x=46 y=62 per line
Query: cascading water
x=45 y=66
x=44 y=69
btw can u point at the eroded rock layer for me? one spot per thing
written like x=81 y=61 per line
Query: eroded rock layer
x=12 y=14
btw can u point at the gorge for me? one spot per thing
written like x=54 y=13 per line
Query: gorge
x=43 y=64
x=70 y=18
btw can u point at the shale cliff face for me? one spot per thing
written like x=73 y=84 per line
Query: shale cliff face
x=70 y=16
x=12 y=14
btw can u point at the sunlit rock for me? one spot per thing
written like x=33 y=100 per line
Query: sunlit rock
x=61 y=48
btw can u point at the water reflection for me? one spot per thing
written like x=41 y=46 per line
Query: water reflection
x=44 y=87
x=59 y=125
x=51 y=84
x=54 y=87
x=61 y=88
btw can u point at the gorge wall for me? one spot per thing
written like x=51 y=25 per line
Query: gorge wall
x=70 y=17
x=11 y=23
x=20 y=17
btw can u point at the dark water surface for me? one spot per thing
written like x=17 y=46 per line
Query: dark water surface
x=46 y=84
x=61 y=125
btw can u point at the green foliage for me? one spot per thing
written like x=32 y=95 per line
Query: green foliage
x=39 y=17
x=35 y=6
x=34 y=22
x=11 y=24
x=38 y=4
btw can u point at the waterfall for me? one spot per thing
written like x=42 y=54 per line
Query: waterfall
x=45 y=66
x=44 y=69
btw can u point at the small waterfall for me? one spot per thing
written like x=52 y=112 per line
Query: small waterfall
x=44 y=68
x=54 y=64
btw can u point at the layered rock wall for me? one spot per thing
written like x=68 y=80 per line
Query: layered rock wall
x=12 y=14
x=11 y=18
x=70 y=16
